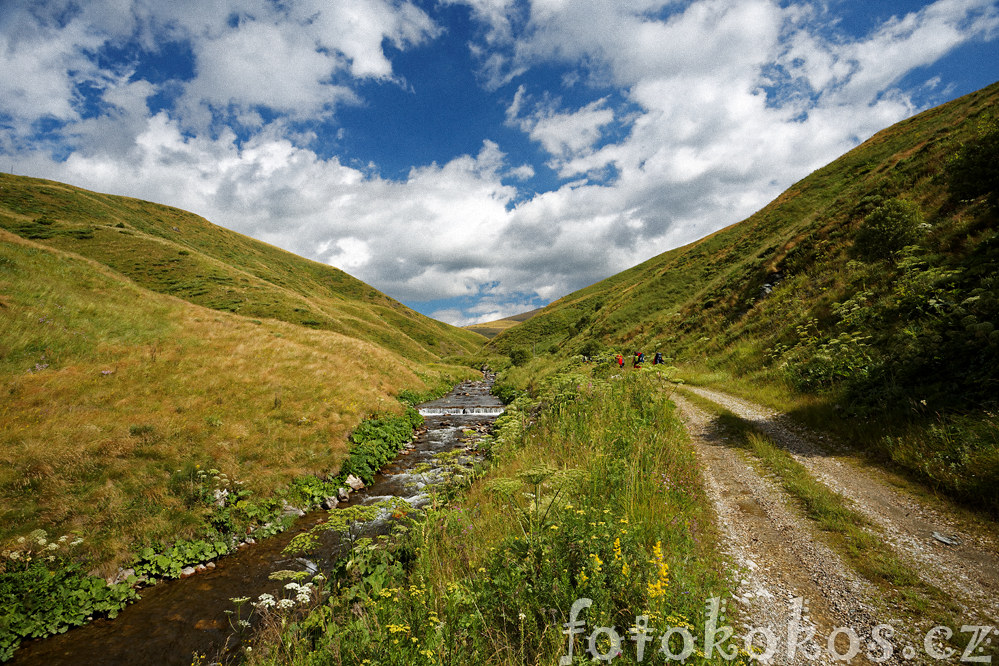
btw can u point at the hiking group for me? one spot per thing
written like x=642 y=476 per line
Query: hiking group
x=640 y=359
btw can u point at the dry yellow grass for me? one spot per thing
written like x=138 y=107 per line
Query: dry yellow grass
x=139 y=387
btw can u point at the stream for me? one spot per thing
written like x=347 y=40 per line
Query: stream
x=177 y=619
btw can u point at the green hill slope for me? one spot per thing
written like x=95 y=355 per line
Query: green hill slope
x=871 y=284
x=140 y=344
x=178 y=253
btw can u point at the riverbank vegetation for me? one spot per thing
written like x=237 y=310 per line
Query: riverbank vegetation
x=592 y=492
x=164 y=432
x=45 y=588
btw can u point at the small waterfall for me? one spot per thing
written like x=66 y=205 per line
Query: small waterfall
x=458 y=411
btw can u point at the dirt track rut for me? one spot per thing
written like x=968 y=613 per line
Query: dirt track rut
x=968 y=571
x=778 y=555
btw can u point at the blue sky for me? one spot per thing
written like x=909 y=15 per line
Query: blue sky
x=472 y=158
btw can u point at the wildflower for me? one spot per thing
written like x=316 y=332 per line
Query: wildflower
x=265 y=601
x=239 y=600
x=285 y=604
x=658 y=588
x=521 y=616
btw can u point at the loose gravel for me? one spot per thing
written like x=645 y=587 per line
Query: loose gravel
x=779 y=557
x=968 y=571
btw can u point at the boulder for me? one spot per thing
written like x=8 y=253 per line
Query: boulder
x=121 y=577
x=354 y=482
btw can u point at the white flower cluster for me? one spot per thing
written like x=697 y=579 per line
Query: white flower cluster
x=301 y=593
x=37 y=544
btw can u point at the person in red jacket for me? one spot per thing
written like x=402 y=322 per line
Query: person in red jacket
x=620 y=361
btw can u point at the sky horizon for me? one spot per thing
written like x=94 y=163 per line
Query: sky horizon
x=473 y=159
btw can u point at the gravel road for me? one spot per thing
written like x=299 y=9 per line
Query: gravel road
x=781 y=558
x=967 y=571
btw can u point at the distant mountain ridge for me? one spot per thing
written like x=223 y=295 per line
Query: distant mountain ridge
x=491 y=329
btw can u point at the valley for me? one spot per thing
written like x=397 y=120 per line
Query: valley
x=819 y=449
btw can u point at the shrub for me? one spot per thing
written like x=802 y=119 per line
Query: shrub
x=974 y=169
x=591 y=348
x=888 y=229
x=519 y=357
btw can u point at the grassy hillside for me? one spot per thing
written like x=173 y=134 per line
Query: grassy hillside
x=491 y=329
x=250 y=362
x=868 y=289
x=174 y=252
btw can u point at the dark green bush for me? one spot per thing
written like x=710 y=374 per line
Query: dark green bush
x=890 y=227
x=974 y=169
x=519 y=357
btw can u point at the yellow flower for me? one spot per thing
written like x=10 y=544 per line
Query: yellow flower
x=658 y=588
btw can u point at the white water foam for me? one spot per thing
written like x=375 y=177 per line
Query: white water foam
x=458 y=411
